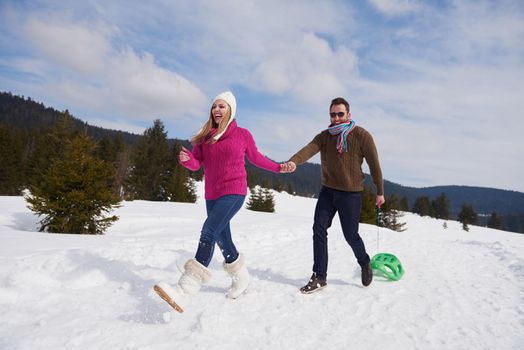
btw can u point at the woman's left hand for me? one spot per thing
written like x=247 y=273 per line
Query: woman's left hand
x=183 y=156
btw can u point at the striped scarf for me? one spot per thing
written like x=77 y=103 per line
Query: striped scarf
x=342 y=130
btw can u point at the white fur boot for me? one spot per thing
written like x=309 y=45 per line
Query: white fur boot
x=195 y=274
x=238 y=272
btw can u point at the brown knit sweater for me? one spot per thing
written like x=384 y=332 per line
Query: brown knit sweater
x=344 y=171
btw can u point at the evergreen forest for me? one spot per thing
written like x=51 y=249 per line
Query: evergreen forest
x=37 y=143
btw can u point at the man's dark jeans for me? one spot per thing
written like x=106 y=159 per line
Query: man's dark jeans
x=348 y=205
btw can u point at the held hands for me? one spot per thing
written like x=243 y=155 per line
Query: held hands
x=183 y=156
x=288 y=167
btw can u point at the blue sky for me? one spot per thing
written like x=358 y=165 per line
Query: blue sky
x=439 y=84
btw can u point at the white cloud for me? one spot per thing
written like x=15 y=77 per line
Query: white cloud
x=207 y=43
x=444 y=96
x=73 y=46
x=454 y=125
x=440 y=90
x=145 y=88
x=310 y=70
x=395 y=7
x=279 y=48
x=481 y=30
x=281 y=134
x=80 y=63
x=121 y=124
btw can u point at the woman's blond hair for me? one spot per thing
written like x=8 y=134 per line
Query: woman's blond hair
x=203 y=134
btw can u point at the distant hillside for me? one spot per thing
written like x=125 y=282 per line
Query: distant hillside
x=483 y=199
x=26 y=114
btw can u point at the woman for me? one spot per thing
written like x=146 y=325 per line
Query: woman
x=220 y=147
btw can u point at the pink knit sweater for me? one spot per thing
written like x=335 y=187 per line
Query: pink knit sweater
x=223 y=162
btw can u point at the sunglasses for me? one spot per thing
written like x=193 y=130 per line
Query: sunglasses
x=337 y=114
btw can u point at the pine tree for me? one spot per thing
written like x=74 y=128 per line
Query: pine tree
x=76 y=192
x=109 y=148
x=180 y=187
x=268 y=201
x=279 y=186
x=368 y=212
x=440 y=207
x=150 y=165
x=261 y=199
x=467 y=216
x=495 y=221
x=255 y=200
x=12 y=178
x=252 y=178
x=422 y=206
x=404 y=204
x=44 y=148
x=289 y=188
x=122 y=167
x=114 y=150
x=391 y=214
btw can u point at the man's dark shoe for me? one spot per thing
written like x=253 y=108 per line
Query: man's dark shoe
x=367 y=275
x=315 y=284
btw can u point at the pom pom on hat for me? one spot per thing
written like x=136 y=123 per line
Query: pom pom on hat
x=231 y=101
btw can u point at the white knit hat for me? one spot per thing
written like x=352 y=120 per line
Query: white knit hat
x=232 y=102
x=230 y=99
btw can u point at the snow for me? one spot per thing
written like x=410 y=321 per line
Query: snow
x=461 y=290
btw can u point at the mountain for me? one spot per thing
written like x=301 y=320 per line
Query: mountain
x=483 y=199
x=26 y=114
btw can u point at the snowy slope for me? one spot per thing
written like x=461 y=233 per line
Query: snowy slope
x=461 y=290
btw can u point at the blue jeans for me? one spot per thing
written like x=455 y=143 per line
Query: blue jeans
x=216 y=229
x=348 y=205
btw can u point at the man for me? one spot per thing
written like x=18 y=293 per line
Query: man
x=342 y=147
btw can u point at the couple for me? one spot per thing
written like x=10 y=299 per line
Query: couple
x=220 y=147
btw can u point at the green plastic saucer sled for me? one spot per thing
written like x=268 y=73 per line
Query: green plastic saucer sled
x=388 y=265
